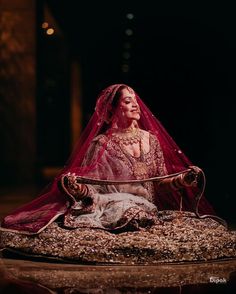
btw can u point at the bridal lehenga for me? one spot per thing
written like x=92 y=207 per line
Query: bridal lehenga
x=113 y=206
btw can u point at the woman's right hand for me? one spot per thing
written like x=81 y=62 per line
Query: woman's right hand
x=72 y=187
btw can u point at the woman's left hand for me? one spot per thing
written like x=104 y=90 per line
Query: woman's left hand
x=191 y=177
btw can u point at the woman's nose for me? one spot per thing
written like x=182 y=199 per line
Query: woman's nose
x=134 y=104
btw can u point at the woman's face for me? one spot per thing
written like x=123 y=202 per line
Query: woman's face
x=128 y=105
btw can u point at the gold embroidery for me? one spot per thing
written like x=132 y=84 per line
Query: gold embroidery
x=139 y=169
x=147 y=165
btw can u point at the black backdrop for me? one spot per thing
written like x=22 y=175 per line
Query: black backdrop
x=179 y=57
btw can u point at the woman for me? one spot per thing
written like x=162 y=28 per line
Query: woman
x=128 y=153
x=126 y=174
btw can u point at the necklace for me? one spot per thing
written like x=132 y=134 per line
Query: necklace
x=126 y=136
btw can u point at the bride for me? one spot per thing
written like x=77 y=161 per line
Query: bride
x=125 y=178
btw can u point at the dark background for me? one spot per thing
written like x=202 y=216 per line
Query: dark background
x=178 y=56
x=182 y=64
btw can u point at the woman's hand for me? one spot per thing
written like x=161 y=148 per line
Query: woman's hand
x=72 y=187
x=191 y=177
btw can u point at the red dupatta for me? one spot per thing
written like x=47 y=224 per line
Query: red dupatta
x=33 y=217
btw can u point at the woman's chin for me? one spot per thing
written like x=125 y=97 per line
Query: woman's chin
x=135 y=117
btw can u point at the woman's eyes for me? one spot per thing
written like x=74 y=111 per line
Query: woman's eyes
x=128 y=101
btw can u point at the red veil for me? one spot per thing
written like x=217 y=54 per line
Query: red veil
x=52 y=202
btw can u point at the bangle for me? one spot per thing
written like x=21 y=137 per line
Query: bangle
x=83 y=191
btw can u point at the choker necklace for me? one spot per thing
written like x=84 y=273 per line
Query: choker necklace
x=126 y=136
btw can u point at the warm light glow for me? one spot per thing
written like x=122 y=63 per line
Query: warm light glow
x=130 y=16
x=45 y=25
x=50 y=31
x=129 y=32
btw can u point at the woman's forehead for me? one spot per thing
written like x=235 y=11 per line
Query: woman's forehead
x=127 y=92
